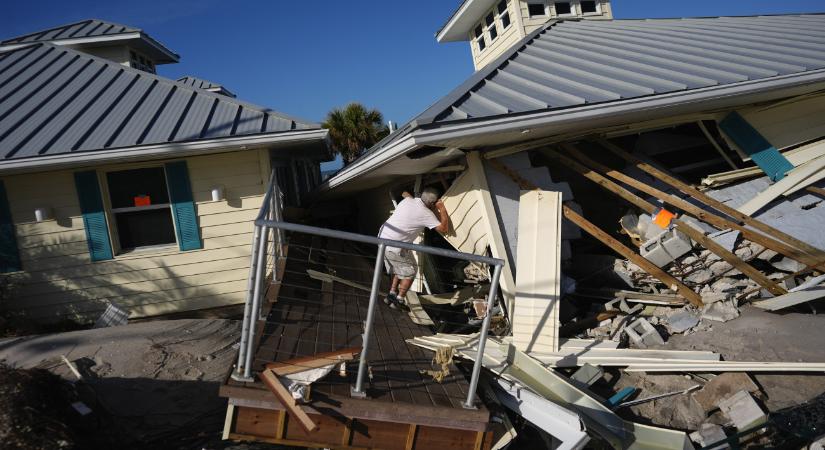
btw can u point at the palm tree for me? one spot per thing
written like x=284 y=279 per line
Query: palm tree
x=353 y=129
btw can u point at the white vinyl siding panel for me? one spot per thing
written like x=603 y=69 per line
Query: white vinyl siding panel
x=59 y=280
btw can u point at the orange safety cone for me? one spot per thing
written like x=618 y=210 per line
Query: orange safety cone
x=663 y=217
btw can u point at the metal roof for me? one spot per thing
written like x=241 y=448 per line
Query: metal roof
x=91 y=30
x=572 y=63
x=206 y=85
x=56 y=100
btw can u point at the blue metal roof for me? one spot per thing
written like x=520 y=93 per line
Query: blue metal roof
x=55 y=100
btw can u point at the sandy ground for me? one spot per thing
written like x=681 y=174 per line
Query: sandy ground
x=756 y=335
x=158 y=381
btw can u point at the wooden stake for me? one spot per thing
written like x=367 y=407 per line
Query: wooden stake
x=689 y=230
x=274 y=384
x=814 y=258
x=609 y=241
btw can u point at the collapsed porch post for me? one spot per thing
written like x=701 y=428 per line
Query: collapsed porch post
x=256 y=299
x=358 y=391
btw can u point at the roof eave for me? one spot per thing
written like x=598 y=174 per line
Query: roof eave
x=160 y=151
x=458 y=26
x=695 y=100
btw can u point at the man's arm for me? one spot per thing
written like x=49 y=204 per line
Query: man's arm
x=406 y=194
x=443 y=218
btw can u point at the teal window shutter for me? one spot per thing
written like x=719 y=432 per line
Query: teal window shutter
x=94 y=217
x=765 y=155
x=183 y=206
x=9 y=257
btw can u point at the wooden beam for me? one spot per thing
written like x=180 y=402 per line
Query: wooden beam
x=817 y=256
x=295 y=365
x=346 y=434
x=270 y=379
x=410 y=443
x=816 y=190
x=609 y=241
x=280 y=427
x=684 y=227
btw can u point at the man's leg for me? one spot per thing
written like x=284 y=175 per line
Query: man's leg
x=394 y=286
x=403 y=287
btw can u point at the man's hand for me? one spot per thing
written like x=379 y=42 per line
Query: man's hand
x=444 y=226
x=439 y=205
x=406 y=194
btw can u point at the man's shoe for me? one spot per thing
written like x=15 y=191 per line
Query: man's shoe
x=391 y=299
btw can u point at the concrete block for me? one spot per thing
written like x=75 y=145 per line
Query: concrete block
x=643 y=334
x=720 y=311
x=666 y=247
x=743 y=411
x=709 y=433
x=586 y=376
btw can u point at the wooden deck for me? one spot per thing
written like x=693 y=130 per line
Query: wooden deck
x=406 y=408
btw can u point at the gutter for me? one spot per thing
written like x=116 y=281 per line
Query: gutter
x=669 y=103
x=157 y=151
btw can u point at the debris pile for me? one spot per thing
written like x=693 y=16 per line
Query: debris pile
x=692 y=257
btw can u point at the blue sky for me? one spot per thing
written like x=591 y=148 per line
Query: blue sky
x=305 y=57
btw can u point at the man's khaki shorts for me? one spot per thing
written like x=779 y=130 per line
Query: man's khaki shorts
x=400 y=262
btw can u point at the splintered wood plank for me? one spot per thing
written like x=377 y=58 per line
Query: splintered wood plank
x=295 y=365
x=274 y=384
x=538 y=280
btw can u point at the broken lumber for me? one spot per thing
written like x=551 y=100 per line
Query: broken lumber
x=270 y=379
x=295 y=365
x=589 y=172
x=816 y=256
x=796 y=179
x=611 y=242
x=791 y=299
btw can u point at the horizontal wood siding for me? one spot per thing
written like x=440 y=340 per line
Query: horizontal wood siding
x=60 y=281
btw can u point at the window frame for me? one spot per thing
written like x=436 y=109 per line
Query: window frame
x=490 y=28
x=478 y=38
x=544 y=8
x=114 y=235
x=597 y=12
x=572 y=13
x=501 y=14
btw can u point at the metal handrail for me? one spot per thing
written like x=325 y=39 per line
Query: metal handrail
x=270 y=218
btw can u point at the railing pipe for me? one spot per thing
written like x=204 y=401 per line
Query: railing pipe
x=482 y=338
x=362 y=363
x=256 y=300
x=247 y=309
x=345 y=235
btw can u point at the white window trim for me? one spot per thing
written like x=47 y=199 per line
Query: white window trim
x=546 y=9
x=114 y=236
x=598 y=9
x=499 y=15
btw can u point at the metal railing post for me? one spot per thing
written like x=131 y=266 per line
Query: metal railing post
x=358 y=391
x=247 y=309
x=482 y=338
x=256 y=299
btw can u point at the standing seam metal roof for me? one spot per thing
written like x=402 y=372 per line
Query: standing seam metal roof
x=56 y=100
x=205 y=84
x=84 y=28
x=571 y=63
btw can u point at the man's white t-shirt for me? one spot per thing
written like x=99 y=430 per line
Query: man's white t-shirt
x=408 y=221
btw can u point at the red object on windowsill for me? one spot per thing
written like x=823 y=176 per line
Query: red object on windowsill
x=143 y=200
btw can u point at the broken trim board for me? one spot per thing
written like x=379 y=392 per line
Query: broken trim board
x=728 y=366
x=797 y=157
x=283 y=368
x=796 y=179
x=791 y=299
x=762 y=152
x=285 y=397
x=557 y=421
x=538 y=282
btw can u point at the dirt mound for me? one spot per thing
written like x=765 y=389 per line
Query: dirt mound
x=34 y=411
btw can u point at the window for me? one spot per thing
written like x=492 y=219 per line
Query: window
x=503 y=14
x=479 y=32
x=589 y=7
x=536 y=9
x=140 y=207
x=491 y=26
x=563 y=8
x=141 y=62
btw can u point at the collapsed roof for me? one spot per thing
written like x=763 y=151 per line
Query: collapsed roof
x=574 y=76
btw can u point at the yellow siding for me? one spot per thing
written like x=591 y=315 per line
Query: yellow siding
x=59 y=280
x=789 y=123
x=506 y=39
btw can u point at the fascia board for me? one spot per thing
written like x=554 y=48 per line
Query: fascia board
x=376 y=159
x=166 y=150
x=82 y=40
x=460 y=24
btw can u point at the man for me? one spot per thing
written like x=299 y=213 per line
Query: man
x=411 y=216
